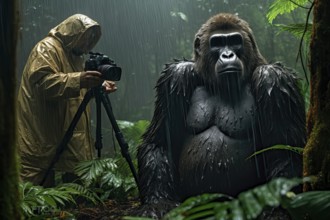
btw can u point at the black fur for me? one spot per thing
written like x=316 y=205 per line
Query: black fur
x=204 y=128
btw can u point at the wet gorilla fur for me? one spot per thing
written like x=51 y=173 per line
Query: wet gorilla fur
x=210 y=115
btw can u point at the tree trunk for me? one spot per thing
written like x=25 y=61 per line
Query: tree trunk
x=9 y=193
x=317 y=150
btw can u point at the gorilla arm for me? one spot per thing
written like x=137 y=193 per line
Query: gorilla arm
x=163 y=138
x=281 y=117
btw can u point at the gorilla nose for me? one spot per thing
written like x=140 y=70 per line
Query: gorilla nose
x=227 y=56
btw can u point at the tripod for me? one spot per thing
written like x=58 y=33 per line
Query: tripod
x=100 y=98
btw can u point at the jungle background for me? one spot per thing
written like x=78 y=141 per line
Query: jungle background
x=140 y=36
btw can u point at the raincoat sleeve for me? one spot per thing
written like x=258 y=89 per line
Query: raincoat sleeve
x=157 y=153
x=46 y=73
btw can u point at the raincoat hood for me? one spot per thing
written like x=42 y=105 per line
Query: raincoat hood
x=77 y=32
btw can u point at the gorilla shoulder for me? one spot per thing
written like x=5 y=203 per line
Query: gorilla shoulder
x=178 y=76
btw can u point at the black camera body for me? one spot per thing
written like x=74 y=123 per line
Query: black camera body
x=103 y=64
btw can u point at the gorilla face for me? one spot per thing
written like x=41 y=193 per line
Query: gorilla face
x=225 y=53
x=226 y=66
x=227 y=49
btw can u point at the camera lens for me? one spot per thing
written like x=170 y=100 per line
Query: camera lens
x=110 y=72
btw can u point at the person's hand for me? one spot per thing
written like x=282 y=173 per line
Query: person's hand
x=90 y=79
x=109 y=86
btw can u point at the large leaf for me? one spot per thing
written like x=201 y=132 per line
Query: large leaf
x=315 y=204
x=251 y=203
x=280 y=7
x=248 y=205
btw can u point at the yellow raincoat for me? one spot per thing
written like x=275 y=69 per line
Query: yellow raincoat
x=49 y=97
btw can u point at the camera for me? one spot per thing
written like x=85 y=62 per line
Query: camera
x=103 y=64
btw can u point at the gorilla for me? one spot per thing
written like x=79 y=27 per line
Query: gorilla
x=214 y=111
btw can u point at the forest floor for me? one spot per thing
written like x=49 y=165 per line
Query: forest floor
x=110 y=210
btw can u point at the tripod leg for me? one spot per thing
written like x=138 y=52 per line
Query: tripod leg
x=67 y=136
x=119 y=136
x=98 y=136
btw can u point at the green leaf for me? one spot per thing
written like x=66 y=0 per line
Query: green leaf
x=202 y=208
x=133 y=133
x=39 y=197
x=279 y=7
x=315 y=204
x=265 y=197
x=248 y=205
x=112 y=180
x=27 y=209
x=297 y=150
x=252 y=208
x=297 y=30
x=89 y=171
x=200 y=215
x=221 y=210
x=49 y=200
x=180 y=212
x=236 y=211
x=281 y=186
x=79 y=190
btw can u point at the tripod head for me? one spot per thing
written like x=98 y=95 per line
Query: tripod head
x=106 y=66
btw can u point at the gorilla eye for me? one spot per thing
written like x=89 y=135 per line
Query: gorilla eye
x=235 y=40
x=217 y=40
x=232 y=41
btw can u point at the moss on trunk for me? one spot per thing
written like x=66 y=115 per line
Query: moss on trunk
x=9 y=193
x=317 y=150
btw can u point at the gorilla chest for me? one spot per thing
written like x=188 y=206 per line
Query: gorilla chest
x=220 y=138
x=232 y=120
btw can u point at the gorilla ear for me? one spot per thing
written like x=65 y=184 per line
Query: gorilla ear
x=197 y=47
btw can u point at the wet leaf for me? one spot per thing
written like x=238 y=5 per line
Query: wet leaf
x=314 y=204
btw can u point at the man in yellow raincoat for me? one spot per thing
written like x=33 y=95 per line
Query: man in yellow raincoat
x=52 y=87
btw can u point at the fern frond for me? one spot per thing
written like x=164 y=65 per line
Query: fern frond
x=297 y=30
x=89 y=171
x=279 y=7
x=111 y=179
x=79 y=190
x=38 y=198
